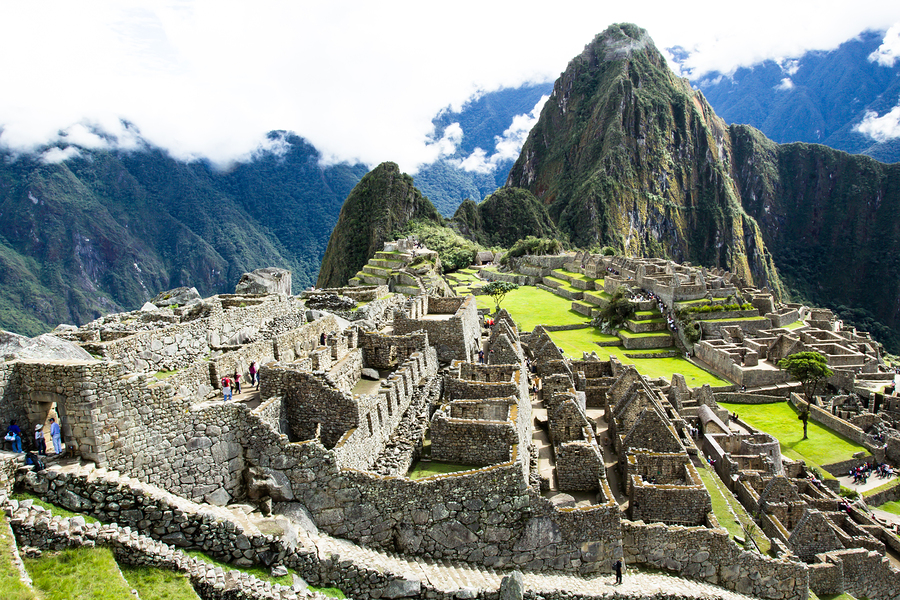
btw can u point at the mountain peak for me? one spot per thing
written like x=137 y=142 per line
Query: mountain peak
x=618 y=41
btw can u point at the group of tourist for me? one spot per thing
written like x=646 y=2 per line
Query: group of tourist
x=14 y=436
x=861 y=473
x=232 y=383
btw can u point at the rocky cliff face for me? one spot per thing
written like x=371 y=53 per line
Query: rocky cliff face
x=832 y=221
x=626 y=154
x=382 y=202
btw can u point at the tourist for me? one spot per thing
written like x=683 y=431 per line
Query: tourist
x=253 y=370
x=56 y=436
x=40 y=443
x=237 y=382
x=226 y=389
x=14 y=435
x=323 y=338
x=481 y=356
x=618 y=566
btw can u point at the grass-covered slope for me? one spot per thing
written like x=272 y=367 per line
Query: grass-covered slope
x=625 y=154
x=384 y=201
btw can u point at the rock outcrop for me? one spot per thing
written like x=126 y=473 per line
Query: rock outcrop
x=270 y=280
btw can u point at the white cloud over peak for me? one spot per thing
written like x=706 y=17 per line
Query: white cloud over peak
x=507 y=146
x=785 y=85
x=889 y=51
x=360 y=81
x=883 y=128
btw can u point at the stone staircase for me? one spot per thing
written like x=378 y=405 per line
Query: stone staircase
x=421 y=576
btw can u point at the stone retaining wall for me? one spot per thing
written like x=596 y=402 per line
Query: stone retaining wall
x=709 y=554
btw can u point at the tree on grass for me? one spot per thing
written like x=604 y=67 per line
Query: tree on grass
x=809 y=368
x=498 y=290
x=613 y=315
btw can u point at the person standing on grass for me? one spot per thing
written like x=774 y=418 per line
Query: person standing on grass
x=56 y=435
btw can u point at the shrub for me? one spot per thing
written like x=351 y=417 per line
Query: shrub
x=535 y=246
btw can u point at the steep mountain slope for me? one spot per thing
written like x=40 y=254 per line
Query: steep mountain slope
x=382 y=202
x=507 y=215
x=818 y=97
x=832 y=221
x=628 y=155
x=107 y=231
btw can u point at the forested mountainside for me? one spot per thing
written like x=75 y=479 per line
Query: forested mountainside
x=107 y=231
x=819 y=97
x=383 y=202
x=628 y=155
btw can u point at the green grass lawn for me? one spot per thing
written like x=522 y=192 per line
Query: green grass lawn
x=158 y=584
x=579 y=276
x=892 y=507
x=11 y=587
x=56 y=510
x=426 y=469
x=576 y=341
x=735 y=519
x=531 y=306
x=823 y=447
x=795 y=325
x=78 y=574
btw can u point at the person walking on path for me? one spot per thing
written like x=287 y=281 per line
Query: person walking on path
x=237 y=382
x=226 y=389
x=14 y=435
x=618 y=567
x=40 y=443
x=253 y=370
x=56 y=435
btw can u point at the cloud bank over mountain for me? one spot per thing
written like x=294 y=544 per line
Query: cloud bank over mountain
x=362 y=82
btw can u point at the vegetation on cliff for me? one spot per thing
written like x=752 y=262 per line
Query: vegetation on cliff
x=105 y=232
x=383 y=202
x=506 y=216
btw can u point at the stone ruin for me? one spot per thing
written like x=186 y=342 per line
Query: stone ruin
x=322 y=441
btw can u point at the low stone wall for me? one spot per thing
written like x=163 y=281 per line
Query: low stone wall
x=745 y=398
x=472 y=441
x=709 y=554
x=579 y=466
x=782 y=319
x=713 y=329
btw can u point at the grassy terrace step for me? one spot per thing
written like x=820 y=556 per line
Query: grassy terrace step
x=569 y=276
x=377 y=271
x=690 y=303
x=739 y=320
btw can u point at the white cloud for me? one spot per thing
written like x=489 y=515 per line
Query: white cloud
x=507 y=146
x=785 y=85
x=889 y=51
x=883 y=128
x=58 y=155
x=360 y=81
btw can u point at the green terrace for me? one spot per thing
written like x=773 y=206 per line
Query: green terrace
x=691 y=303
x=532 y=306
x=824 y=446
x=569 y=275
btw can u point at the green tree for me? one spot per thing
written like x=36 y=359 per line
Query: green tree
x=614 y=314
x=498 y=290
x=809 y=368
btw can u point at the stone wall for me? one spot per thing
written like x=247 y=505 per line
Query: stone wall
x=579 y=466
x=453 y=338
x=709 y=554
x=837 y=424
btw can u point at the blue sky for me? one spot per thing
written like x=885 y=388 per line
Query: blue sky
x=360 y=80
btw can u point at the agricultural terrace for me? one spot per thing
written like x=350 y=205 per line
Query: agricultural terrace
x=532 y=306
